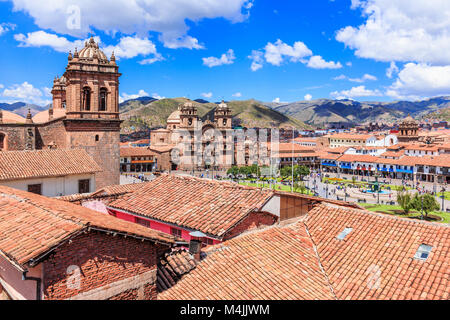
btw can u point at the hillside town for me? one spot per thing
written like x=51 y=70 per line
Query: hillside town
x=85 y=216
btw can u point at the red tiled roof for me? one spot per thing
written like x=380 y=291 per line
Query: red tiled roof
x=32 y=224
x=380 y=245
x=105 y=192
x=277 y=263
x=209 y=206
x=45 y=163
x=136 y=152
x=305 y=260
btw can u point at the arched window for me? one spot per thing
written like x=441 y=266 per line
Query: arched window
x=103 y=96
x=64 y=104
x=2 y=141
x=86 y=98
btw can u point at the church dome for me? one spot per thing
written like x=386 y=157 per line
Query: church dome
x=90 y=50
x=174 y=117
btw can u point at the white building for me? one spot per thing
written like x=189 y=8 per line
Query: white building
x=50 y=173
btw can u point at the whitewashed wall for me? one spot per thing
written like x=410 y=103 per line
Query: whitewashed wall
x=53 y=187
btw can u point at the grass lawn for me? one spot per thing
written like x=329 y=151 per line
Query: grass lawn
x=277 y=187
x=396 y=210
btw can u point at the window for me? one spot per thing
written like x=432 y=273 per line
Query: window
x=86 y=99
x=83 y=186
x=423 y=252
x=143 y=222
x=207 y=241
x=175 y=232
x=2 y=141
x=224 y=122
x=103 y=96
x=35 y=188
x=344 y=233
x=96 y=137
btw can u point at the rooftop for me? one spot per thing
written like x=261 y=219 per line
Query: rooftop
x=375 y=257
x=209 y=206
x=16 y=165
x=32 y=225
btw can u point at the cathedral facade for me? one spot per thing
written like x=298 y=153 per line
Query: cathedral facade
x=191 y=138
x=84 y=114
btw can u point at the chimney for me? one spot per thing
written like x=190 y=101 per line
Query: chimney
x=195 y=244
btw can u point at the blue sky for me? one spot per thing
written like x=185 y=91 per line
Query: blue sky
x=283 y=50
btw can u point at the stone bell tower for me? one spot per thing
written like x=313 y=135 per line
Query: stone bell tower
x=89 y=91
x=222 y=116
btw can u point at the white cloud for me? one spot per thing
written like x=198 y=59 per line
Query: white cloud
x=257 y=60
x=226 y=58
x=237 y=95
x=25 y=92
x=391 y=70
x=126 y=96
x=401 y=30
x=279 y=52
x=364 y=78
x=317 y=62
x=45 y=39
x=127 y=47
x=355 y=92
x=1 y=86
x=207 y=95
x=276 y=100
x=349 y=64
x=5 y=27
x=157 y=96
x=130 y=47
x=169 y=18
x=275 y=53
x=308 y=97
x=420 y=80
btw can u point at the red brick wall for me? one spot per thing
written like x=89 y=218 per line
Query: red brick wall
x=103 y=260
x=253 y=220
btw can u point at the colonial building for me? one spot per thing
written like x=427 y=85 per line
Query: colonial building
x=84 y=114
x=181 y=127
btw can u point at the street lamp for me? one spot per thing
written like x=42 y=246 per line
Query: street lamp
x=443 y=197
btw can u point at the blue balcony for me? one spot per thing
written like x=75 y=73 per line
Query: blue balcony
x=403 y=170
x=328 y=164
x=346 y=166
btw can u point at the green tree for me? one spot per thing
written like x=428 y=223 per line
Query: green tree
x=234 y=171
x=425 y=202
x=404 y=201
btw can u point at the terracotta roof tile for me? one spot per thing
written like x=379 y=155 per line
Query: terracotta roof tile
x=305 y=260
x=32 y=224
x=136 y=152
x=45 y=163
x=276 y=263
x=210 y=206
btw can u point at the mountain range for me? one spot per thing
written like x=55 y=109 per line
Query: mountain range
x=139 y=115
x=21 y=108
x=318 y=112
x=148 y=112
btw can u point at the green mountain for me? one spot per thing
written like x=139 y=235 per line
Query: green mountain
x=140 y=115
